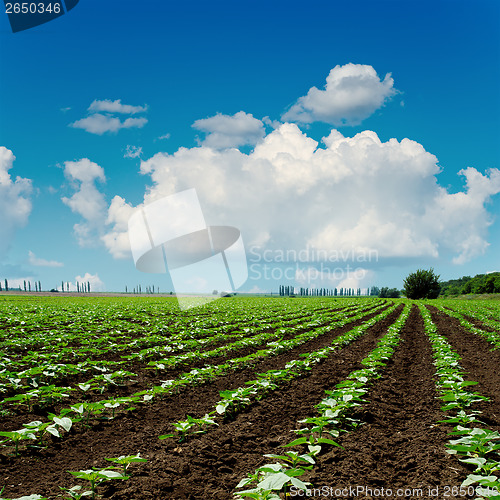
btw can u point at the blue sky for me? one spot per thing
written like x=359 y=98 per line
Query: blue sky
x=142 y=100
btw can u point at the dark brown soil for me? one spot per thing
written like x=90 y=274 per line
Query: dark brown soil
x=479 y=360
x=205 y=467
x=399 y=446
x=146 y=378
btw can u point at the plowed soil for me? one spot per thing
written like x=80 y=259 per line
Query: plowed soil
x=479 y=360
x=400 y=444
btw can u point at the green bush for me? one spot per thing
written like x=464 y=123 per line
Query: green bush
x=389 y=293
x=422 y=284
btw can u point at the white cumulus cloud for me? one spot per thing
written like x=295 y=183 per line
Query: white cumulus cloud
x=87 y=201
x=116 y=107
x=36 y=261
x=133 y=152
x=352 y=93
x=96 y=284
x=102 y=120
x=230 y=131
x=116 y=238
x=15 y=200
x=350 y=194
x=100 y=124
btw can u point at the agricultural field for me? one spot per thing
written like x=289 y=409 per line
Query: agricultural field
x=267 y=398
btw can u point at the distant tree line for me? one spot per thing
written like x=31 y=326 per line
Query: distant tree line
x=389 y=293
x=289 y=291
x=37 y=286
x=150 y=289
x=80 y=287
x=481 y=283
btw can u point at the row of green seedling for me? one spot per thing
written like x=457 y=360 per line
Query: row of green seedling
x=236 y=400
x=94 y=477
x=292 y=328
x=489 y=313
x=478 y=446
x=48 y=395
x=206 y=374
x=37 y=374
x=46 y=371
x=261 y=332
x=315 y=432
x=37 y=430
x=492 y=337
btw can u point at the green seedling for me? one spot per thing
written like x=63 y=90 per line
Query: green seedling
x=482 y=464
x=40 y=429
x=25 y=398
x=190 y=426
x=460 y=398
x=29 y=497
x=182 y=429
x=97 y=476
x=76 y=492
x=478 y=442
x=259 y=494
x=125 y=461
x=462 y=418
x=490 y=483
x=294 y=458
x=319 y=427
x=87 y=387
x=270 y=478
x=51 y=394
x=234 y=401
x=86 y=409
x=117 y=402
x=16 y=437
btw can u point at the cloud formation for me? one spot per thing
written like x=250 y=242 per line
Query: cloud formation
x=133 y=152
x=36 y=261
x=87 y=201
x=351 y=194
x=15 y=200
x=96 y=284
x=116 y=107
x=230 y=131
x=352 y=93
x=99 y=123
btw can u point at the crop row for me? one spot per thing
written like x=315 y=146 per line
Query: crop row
x=492 y=337
x=487 y=314
x=235 y=400
x=48 y=394
x=87 y=410
x=315 y=432
x=476 y=445
x=47 y=364
x=91 y=338
x=66 y=319
x=48 y=373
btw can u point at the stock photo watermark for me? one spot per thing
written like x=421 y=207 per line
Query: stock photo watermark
x=25 y=15
x=205 y=262
x=384 y=492
x=171 y=235
x=309 y=265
